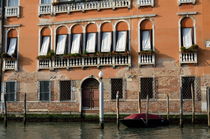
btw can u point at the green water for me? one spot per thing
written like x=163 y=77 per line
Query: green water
x=76 y=130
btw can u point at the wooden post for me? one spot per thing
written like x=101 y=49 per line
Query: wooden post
x=24 y=118
x=181 y=109
x=167 y=97
x=117 y=108
x=147 y=110
x=208 y=102
x=5 y=110
x=139 y=102
x=193 y=104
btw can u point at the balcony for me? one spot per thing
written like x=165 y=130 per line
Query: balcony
x=83 y=6
x=146 y=59
x=89 y=61
x=142 y=3
x=10 y=64
x=12 y=11
x=188 y=58
x=186 y=1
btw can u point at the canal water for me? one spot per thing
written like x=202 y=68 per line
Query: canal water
x=76 y=130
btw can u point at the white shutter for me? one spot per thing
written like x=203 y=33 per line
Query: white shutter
x=91 y=43
x=121 y=41
x=61 y=43
x=146 y=40
x=45 y=45
x=106 y=42
x=187 y=37
x=75 y=47
x=12 y=46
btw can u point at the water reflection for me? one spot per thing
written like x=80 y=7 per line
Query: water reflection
x=73 y=130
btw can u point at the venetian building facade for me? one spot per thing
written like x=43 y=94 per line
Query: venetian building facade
x=54 y=51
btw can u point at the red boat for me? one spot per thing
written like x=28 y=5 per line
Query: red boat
x=139 y=120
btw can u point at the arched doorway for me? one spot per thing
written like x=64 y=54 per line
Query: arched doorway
x=90 y=94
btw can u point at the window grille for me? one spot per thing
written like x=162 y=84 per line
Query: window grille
x=187 y=84
x=65 y=90
x=146 y=88
x=116 y=85
x=10 y=91
x=44 y=88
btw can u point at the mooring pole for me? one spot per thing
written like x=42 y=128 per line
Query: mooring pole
x=117 y=108
x=208 y=106
x=147 y=110
x=24 y=119
x=167 y=97
x=193 y=104
x=5 y=110
x=181 y=109
x=139 y=102
x=101 y=101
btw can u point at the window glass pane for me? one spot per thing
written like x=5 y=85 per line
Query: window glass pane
x=45 y=1
x=106 y=42
x=44 y=90
x=146 y=88
x=10 y=91
x=116 y=85
x=146 y=40
x=91 y=43
x=121 y=41
x=12 y=3
x=65 y=90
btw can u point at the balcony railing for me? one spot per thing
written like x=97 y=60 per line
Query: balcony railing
x=146 y=59
x=10 y=64
x=83 y=6
x=92 y=61
x=188 y=58
x=12 y=11
x=146 y=3
x=186 y=1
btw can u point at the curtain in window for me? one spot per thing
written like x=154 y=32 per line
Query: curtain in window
x=187 y=37
x=12 y=46
x=12 y=3
x=45 y=45
x=76 y=40
x=91 y=43
x=106 y=42
x=45 y=1
x=146 y=40
x=61 y=43
x=121 y=41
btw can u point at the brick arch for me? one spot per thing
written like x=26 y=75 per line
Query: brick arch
x=12 y=33
x=62 y=30
x=45 y=31
x=122 y=26
x=91 y=28
x=146 y=24
x=106 y=27
x=187 y=22
x=77 y=29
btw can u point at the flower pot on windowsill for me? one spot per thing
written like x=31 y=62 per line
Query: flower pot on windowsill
x=124 y=53
x=192 y=49
x=146 y=52
x=72 y=56
x=50 y=55
x=7 y=56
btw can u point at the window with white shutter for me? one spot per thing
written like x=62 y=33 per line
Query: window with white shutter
x=12 y=46
x=106 y=42
x=146 y=40
x=45 y=45
x=76 y=42
x=187 y=39
x=61 y=44
x=91 y=43
x=121 y=41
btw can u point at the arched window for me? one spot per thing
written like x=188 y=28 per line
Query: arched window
x=76 y=39
x=11 y=48
x=146 y=39
x=106 y=37
x=45 y=41
x=61 y=40
x=91 y=38
x=121 y=37
x=187 y=32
